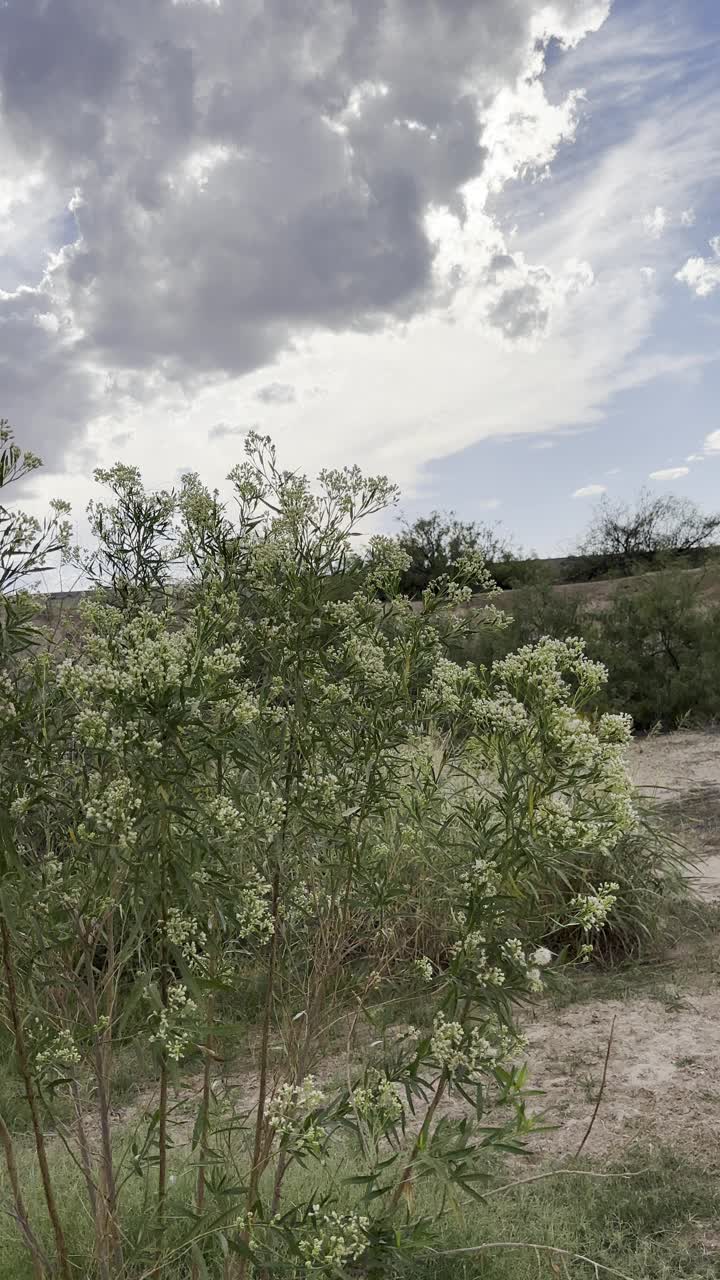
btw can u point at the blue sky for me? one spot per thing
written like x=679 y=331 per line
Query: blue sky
x=476 y=247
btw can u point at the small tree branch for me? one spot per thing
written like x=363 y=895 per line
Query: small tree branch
x=593 y=1117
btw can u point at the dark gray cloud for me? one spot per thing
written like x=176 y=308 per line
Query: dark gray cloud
x=245 y=171
x=44 y=391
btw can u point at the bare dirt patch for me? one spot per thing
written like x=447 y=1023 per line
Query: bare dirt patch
x=662 y=1084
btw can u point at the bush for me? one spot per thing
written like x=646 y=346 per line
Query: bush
x=254 y=780
x=659 y=639
x=661 y=645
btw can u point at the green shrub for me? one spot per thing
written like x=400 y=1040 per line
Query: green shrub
x=263 y=789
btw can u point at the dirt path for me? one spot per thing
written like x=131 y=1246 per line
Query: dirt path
x=662 y=1084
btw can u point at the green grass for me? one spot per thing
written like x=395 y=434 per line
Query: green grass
x=660 y=1223
x=657 y=1225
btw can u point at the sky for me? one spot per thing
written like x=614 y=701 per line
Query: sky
x=472 y=244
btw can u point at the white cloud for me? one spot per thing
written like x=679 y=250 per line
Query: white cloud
x=648 y=273
x=655 y=223
x=590 y=491
x=712 y=442
x=695 y=457
x=669 y=473
x=488 y=504
x=702 y=275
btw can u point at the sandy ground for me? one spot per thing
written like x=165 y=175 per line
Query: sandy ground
x=662 y=1082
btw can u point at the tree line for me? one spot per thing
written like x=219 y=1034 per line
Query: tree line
x=653 y=532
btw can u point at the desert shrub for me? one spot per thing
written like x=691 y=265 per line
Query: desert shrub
x=261 y=780
x=659 y=640
x=624 y=539
x=434 y=543
x=661 y=645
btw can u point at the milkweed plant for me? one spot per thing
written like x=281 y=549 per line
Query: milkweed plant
x=255 y=768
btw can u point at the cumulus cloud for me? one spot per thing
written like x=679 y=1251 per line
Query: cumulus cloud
x=712 y=442
x=228 y=179
x=702 y=275
x=670 y=473
x=660 y=219
x=590 y=491
x=655 y=223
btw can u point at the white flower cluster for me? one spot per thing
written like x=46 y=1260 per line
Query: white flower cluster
x=530 y=966
x=186 y=934
x=173 y=1033
x=59 y=1051
x=387 y=561
x=253 y=916
x=457 y=1051
x=499 y=714
x=335 y=1240
x=556 y=823
x=378 y=1102
x=592 y=909
x=112 y=810
x=145 y=659
x=474 y=955
x=423 y=968
x=20 y=807
x=7 y=695
x=483 y=877
x=541 y=668
x=225 y=660
x=224 y=821
x=615 y=729
x=369 y=662
x=448 y=686
x=471 y=568
x=288 y=1111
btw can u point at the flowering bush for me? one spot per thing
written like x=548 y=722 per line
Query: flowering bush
x=275 y=768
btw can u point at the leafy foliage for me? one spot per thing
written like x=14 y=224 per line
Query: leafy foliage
x=251 y=771
x=436 y=542
x=623 y=539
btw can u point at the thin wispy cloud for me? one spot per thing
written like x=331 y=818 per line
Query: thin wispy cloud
x=669 y=473
x=590 y=491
